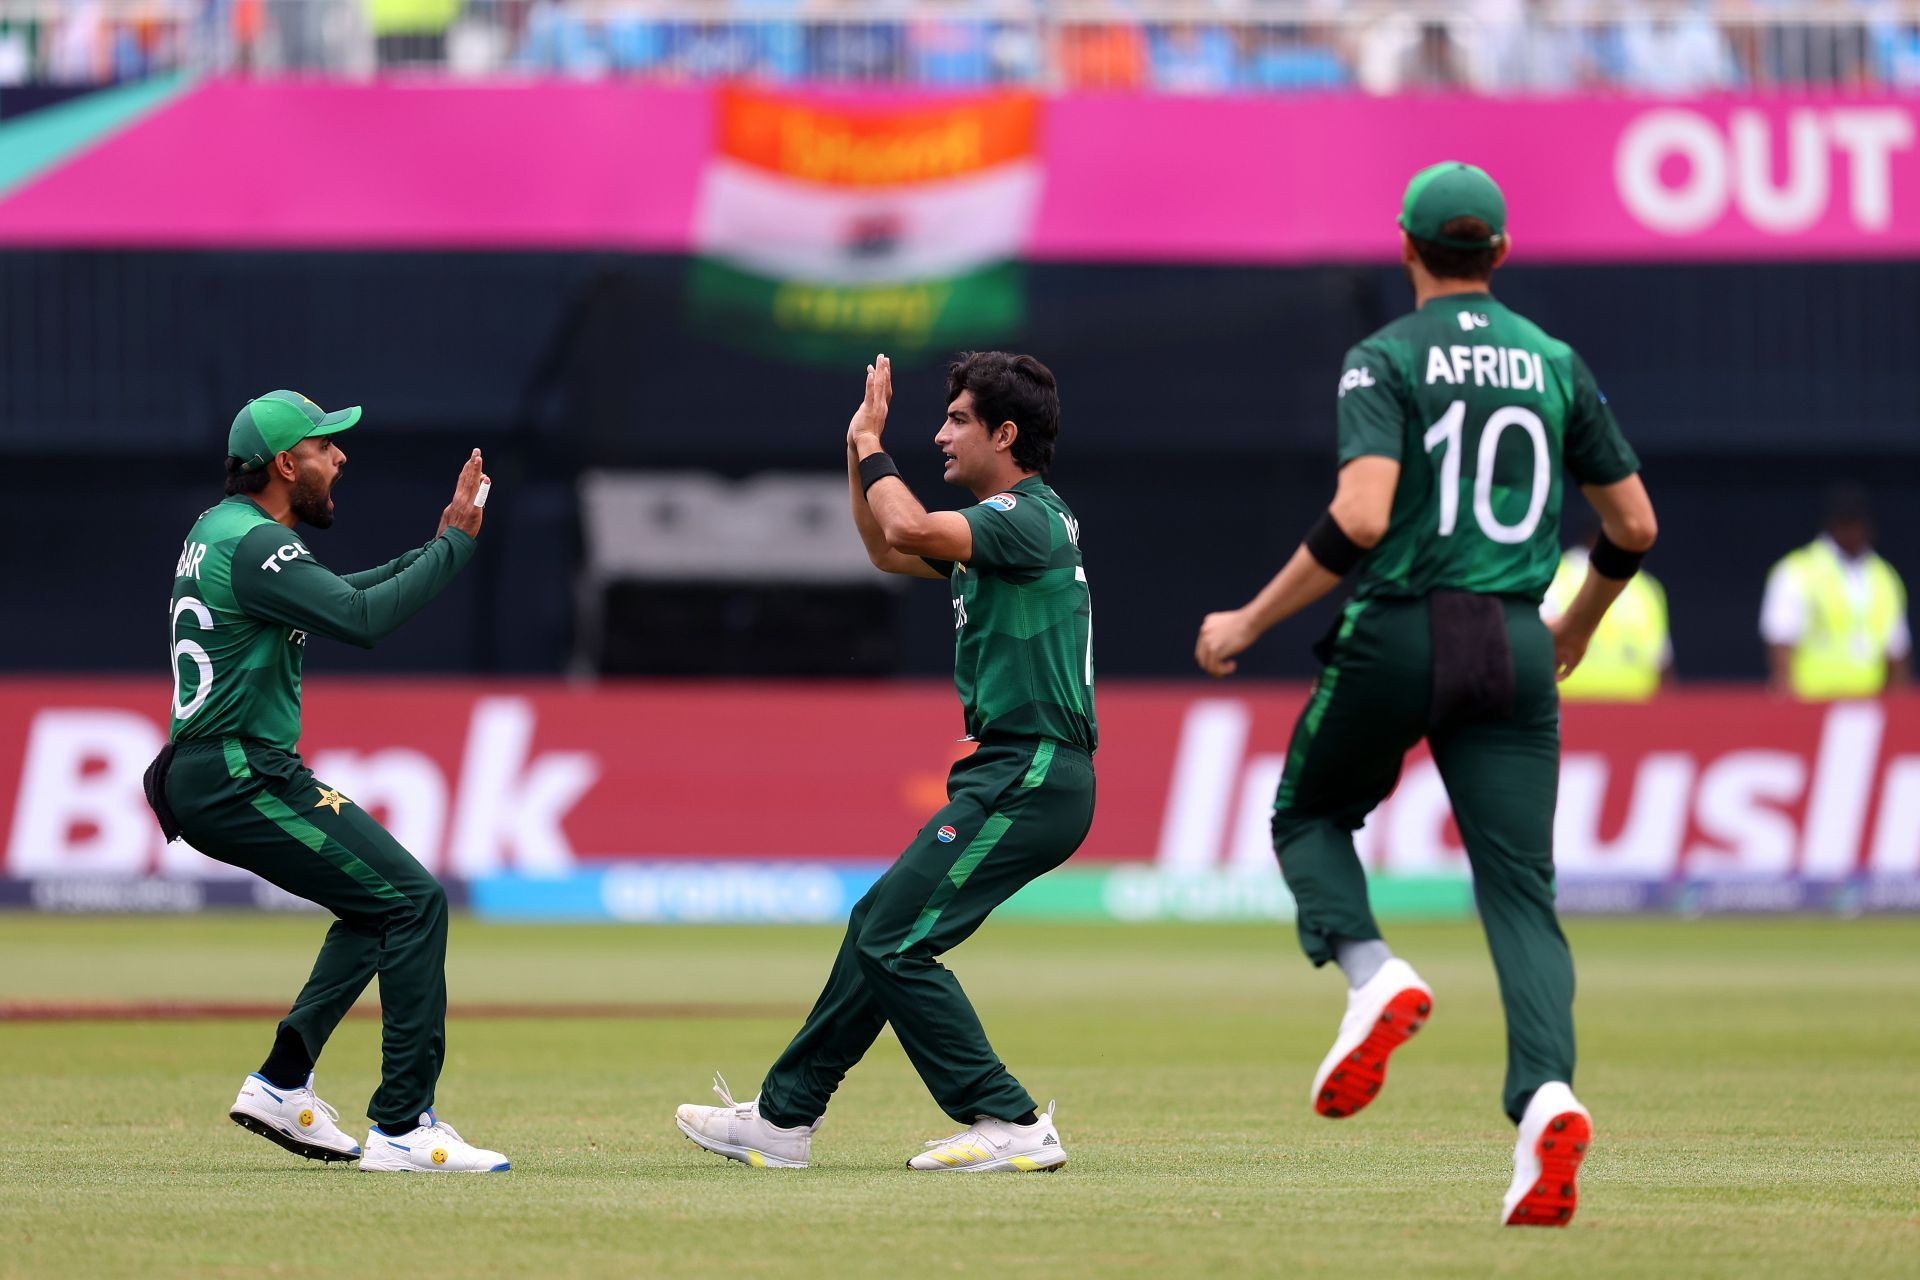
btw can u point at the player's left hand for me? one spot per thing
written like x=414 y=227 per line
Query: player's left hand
x=870 y=419
x=1223 y=636
x=1569 y=646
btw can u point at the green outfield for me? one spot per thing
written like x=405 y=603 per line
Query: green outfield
x=1755 y=1085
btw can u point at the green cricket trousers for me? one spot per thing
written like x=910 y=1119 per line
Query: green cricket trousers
x=254 y=806
x=1016 y=809
x=1473 y=675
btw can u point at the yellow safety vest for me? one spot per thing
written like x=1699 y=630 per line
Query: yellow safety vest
x=1623 y=659
x=412 y=17
x=1842 y=652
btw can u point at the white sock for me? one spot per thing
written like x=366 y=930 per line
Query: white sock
x=1360 y=959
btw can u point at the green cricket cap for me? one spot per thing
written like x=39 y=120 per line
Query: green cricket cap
x=277 y=421
x=1442 y=192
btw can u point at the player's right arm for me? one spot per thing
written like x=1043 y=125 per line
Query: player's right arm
x=883 y=556
x=1371 y=416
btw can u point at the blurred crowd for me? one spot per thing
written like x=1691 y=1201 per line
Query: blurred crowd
x=1662 y=47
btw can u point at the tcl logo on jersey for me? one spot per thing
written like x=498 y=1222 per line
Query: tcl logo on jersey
x=291 y=551
x=1354 y=379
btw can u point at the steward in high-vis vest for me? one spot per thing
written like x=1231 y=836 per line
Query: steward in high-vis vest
x=1835 y=615
x=1631 y=652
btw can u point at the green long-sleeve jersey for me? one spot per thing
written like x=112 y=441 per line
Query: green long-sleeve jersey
x=1483 y=410
x=246 y=595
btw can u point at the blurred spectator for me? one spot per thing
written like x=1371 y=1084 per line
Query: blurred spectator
x=951 y=44
x=1560 y=48
x=1489 y=36
x=1295 y=58
x=1835 y=615
x=1191 y=58
x=1674 y=51
x=1397 y=53
x=865 y=44
x=1106 y=55
x=404 y=31
x=1895 y=46
x=1822 y=42
x=77 y=53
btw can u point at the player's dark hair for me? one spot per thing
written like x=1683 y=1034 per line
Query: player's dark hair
x=1443 y=262
x=239 y=481
x=1012 y=388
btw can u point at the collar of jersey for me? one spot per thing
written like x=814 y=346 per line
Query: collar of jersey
x=1458 y=299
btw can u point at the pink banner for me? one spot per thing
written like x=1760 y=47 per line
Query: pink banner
x=1125 y=178
x=546 y=778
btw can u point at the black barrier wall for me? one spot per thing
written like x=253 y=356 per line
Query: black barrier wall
x=1196 y=444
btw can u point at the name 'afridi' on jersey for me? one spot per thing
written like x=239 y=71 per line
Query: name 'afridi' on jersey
x=1482 y=409
x=1023 y=620
x=247 y=593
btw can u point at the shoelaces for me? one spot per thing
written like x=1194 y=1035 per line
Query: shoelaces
x=726 y=1094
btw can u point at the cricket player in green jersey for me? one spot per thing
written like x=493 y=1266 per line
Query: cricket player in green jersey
x=1018 y=806
x=1455 y=423
x=247 y=593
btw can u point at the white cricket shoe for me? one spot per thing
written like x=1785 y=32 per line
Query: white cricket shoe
x=295 y=1118
x=1381 y=1014
x=432 y=1146
x=739 y=1132
x=997 y=1146
x=1555 y=1133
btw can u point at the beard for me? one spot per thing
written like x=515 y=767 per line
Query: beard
x=310 y=502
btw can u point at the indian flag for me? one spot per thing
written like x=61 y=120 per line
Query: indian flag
x=832 y=229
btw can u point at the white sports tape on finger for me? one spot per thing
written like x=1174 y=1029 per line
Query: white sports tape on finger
x=480 y=498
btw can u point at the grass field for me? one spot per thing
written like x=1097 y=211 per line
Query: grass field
x=1755 y=1085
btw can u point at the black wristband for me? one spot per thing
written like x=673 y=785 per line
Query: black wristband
x=1328 y=543
x=874 y=468
x=1610 y=561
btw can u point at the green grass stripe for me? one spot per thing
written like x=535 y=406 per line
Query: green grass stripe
x=977 y=849
x=325 y=845
x=44 y=139
x=1317 y=709
x=236 y=752
x=1042 y=761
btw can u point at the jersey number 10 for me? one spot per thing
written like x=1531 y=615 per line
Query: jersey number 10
x=1447 y=434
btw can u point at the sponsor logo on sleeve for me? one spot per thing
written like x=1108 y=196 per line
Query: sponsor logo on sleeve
x=292 y=551
x=1000 y=502
x=1354 y=379
x=945 y=835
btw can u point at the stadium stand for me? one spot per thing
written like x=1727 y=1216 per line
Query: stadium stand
x=1162 y=46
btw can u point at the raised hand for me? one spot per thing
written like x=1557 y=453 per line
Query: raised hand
x=461 y=513
x=870 y=419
